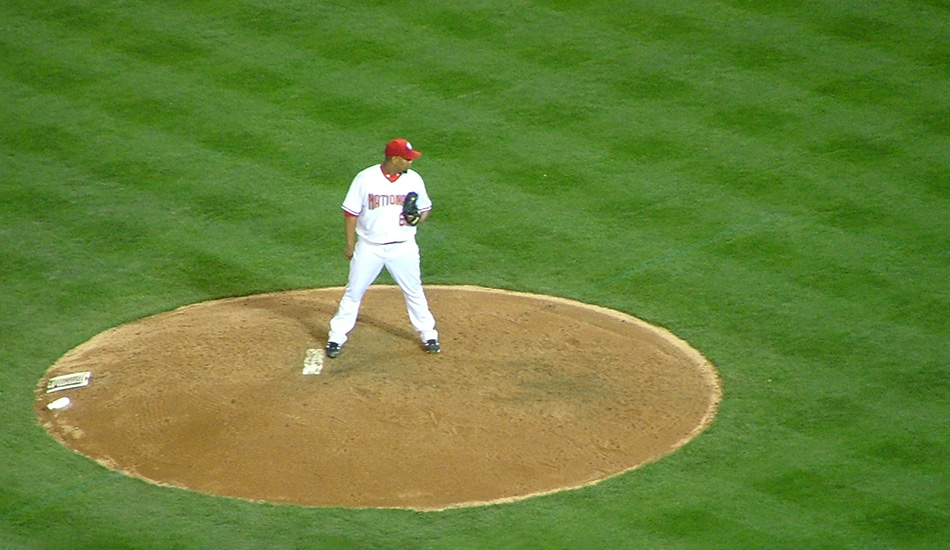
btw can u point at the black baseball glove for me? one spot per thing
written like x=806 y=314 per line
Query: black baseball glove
x=410 y=209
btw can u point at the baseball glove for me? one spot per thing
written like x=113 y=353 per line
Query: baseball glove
x=410 y=210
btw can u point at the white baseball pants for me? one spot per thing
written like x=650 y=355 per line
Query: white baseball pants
x=401 y=260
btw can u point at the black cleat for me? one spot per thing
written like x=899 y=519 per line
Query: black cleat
x=432 y=346
x=333 y=350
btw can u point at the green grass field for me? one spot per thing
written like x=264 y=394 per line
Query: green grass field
x=769 y=180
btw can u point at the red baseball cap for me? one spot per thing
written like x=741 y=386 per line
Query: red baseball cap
x=401 y=148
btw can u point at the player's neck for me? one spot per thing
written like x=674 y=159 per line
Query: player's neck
x=390 y=172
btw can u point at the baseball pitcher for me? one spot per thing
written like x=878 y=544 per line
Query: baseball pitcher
x=384 y=206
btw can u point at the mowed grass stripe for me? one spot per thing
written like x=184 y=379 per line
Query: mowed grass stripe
x=767 y=103
x=741 y=118
x=290 y=140
x=156 y=166
x=181 y=100
x=86 y=246
x=130 y=99
x=202 y=234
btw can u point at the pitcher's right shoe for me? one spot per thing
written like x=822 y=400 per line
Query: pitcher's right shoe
x=333 y=350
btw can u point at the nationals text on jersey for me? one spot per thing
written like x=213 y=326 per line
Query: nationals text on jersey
x=375 y=201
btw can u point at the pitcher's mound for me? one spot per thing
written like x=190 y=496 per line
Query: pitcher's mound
x=530 y=395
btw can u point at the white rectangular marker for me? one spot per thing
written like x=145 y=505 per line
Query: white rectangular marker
x=67 y=381
x=313 y=363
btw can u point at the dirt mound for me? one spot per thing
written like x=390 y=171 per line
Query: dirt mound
x=530 y=395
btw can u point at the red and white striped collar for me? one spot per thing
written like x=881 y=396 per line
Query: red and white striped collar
x=390 y=177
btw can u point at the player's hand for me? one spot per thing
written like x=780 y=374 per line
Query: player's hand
x=348 y=251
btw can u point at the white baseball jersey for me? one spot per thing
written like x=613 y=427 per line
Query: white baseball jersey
x=378 y=204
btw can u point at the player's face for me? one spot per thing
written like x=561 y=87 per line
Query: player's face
x=401 y=164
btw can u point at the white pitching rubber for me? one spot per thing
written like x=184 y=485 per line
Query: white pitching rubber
x=313 y=363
